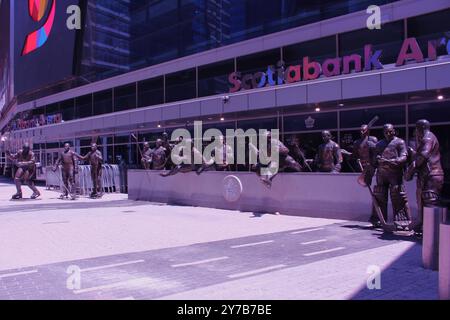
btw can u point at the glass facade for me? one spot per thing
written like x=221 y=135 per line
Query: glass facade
x=148 y=32
x=212 y=79
x=121 y=36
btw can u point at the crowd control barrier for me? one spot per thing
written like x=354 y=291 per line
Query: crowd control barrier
x=111 y=179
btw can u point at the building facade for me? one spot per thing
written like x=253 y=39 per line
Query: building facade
x=146 y=67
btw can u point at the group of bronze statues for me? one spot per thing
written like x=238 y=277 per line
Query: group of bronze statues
x=389 y=160
x=25 y=163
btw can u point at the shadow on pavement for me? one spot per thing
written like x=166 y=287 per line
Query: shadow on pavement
x=404 y=279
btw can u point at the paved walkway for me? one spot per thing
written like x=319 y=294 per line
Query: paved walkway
x=114 y=248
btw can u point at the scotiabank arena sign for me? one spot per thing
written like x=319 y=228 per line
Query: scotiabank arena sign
x=354 y=63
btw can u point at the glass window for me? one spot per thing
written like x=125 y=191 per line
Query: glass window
x=150 y=136
x=125 y=154
x=310 y=142
x=68 y=109
x=38 y=111
x=221 y=126
x=85 y=142
x=258 y=61
x=52 y=109
x=389 y=39
x=430 y=27
x=316 y=50
x=356 y=118
x=258 y=124
x=83 y=107
x=125 y=97
x=103 y=102
x=52 y=145
x=148 y=32
x=151 y=92
x=213 y=78
x=310 y=122
x=122 y=139
x=181 y=85
x=433 y=112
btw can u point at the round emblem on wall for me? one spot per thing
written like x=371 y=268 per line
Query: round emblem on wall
x=232 y=188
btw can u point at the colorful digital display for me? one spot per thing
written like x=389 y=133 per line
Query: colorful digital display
x=38 y=38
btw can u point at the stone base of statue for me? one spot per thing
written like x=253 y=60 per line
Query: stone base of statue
x=319 y=195
x=432 y=217
x=444 y=262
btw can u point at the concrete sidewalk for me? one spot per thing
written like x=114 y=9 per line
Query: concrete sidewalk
x=140 y=250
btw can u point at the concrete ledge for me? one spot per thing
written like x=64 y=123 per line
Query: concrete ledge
x=301 y=194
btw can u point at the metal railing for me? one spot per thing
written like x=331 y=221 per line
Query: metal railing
x=112 y=181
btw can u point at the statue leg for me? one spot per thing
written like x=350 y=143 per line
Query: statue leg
x=65 y=176
x=30 y=182
x=419 y=195
x=172 y=172
x=381 y=193
x=71 y=183
x=432 y=190
x=18 y=182
x=204 y=167
x=100 y=189
x=94 y=181
x=291 y=165
x=402 y=213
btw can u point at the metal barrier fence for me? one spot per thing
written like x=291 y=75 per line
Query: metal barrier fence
x=112 y=180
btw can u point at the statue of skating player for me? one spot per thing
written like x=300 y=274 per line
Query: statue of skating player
x=182 y=155
x=426 y=164
x=25 y=162
x=389 y=158
x=285 y=161
x=223 y=155
x=329 y=156
x=69 y=169
x=147 y=155
x=362 y=149
x=95 y=159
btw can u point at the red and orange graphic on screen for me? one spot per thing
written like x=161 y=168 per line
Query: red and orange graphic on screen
x=37 y=39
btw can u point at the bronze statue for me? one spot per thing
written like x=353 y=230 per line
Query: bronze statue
x=184 y=167
x=297 y=153
x=146 y=156
x=68 y=159
x=221 y=155
x=95 y=159
x=329 y=156
x=25 y=162
x=389 y=158
x=168 y=147
x=362 y=149
x=426 y=164
x=159 y=156
x=285 y=162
